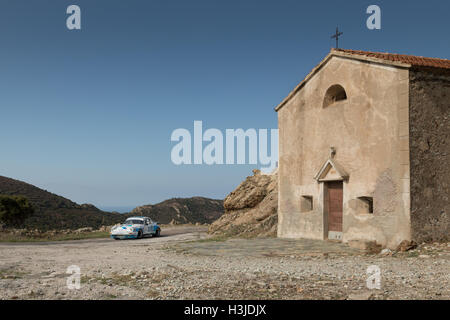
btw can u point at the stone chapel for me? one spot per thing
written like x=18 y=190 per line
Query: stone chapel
x=364 y=150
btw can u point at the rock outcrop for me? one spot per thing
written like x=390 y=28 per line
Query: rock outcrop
x=251 y=209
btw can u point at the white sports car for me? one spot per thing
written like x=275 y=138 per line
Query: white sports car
x=136 y=228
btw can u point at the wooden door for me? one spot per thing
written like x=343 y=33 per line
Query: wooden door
x=335 y=204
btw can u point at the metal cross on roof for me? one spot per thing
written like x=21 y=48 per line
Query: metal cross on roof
x=337 y=35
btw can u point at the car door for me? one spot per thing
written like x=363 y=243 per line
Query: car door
x=147 y=226
x=151 y=227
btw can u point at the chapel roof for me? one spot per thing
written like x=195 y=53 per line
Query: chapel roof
x=408 y=59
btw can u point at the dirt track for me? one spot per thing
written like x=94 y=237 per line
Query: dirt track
x=183 y=264
x=168 y=232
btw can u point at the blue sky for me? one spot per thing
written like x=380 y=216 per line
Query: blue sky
x=88 y=113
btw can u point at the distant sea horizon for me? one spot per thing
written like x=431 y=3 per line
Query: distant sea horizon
x=120 y=209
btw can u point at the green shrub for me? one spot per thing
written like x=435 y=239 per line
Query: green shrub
x=14 y=209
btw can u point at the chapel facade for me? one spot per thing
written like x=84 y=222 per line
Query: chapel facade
x=364 y=147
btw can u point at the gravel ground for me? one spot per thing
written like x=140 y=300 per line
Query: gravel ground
x=191 y=266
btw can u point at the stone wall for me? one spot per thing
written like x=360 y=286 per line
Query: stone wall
x=430 y=154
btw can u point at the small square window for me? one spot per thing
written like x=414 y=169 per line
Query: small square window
x=365 y=205
x=306 y=203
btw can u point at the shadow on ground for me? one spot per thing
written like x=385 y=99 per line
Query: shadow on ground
x=266 y=247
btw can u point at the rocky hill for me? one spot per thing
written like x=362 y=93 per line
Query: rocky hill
x=55 y=212
x=251 y=209
x=182 y=210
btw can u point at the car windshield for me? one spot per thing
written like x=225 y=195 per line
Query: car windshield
x=133 y=221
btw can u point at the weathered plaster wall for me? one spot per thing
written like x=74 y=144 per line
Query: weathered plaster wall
x=370 y=133
x=430 y=154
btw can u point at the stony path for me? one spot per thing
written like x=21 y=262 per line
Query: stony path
x=189 y=266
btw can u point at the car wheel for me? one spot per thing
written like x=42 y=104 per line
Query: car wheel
x=139 y=234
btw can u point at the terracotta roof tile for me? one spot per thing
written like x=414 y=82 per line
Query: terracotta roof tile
x=412 y=60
